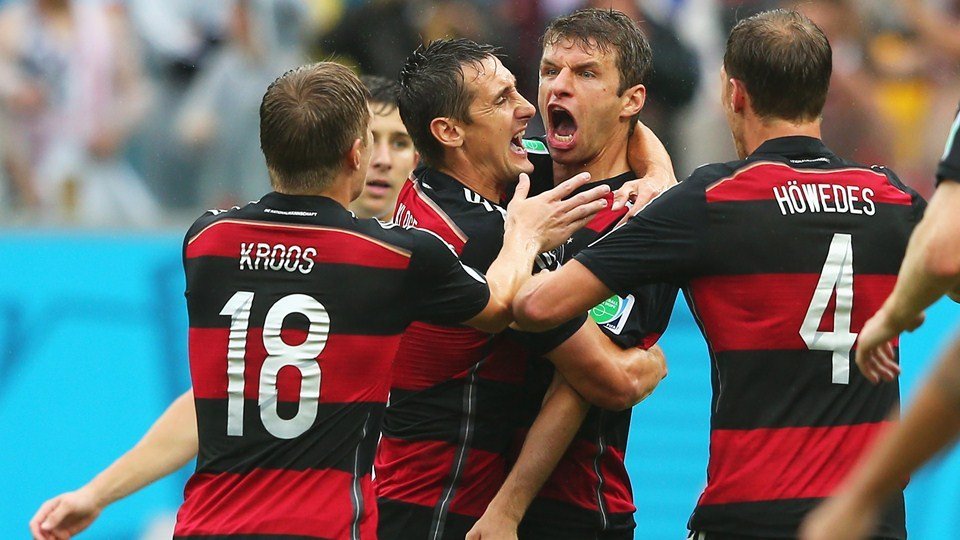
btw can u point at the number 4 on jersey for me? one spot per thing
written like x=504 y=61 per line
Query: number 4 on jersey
x=837 y=275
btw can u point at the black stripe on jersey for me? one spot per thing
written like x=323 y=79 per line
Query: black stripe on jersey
x=402 y=521
x=795 y=391
x=436 y=414
x=220 y=280
x=549 y=518
x=331 y=443
x=779 y=519
x=250 y=537
x=775 y=243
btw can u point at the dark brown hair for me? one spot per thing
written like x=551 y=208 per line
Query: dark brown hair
x=309 y=118
x=784 y=60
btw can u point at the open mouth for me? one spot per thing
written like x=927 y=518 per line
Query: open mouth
x=563 y=125
x=377 y=186
x=516 y=144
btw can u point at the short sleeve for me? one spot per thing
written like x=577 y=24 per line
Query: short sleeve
x=659 y=244
x=949 y=168
x=540 y=343
x=442 y=289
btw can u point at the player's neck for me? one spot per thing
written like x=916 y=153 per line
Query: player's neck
x=340 y=192
x=609 y=162
x=757 y=131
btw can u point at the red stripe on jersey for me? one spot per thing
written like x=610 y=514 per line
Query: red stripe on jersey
x=764 y=311
x=785 y=463
x=430 y=354
x=605 y=218
x=757 y=181
x=649 y=340
x=416 y=208
x=311 y=503
x=346 y=363
x=266 y=244
x=415 y=472
x=574 y=481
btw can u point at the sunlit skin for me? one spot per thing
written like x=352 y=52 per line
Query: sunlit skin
x=586 y=121
x=392 y=161
x=734 y=120
x=487 y=152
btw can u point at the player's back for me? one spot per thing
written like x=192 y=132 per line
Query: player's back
x=296 y=310
x=799 y=248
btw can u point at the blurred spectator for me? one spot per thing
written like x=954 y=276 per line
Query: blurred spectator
x=674 y=76
x=72 y=90
x=219 y=119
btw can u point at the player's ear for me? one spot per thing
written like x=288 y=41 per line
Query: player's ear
x=355 y=155
x=739 y=99
x=447 y=131
x=633 y=100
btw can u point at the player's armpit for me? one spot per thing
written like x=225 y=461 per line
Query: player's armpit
x=603 y=373
x=547 y=300
x=549 y=437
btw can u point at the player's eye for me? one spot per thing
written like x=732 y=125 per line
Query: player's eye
x=400 y=144
x=548 y=72
x=588 y=75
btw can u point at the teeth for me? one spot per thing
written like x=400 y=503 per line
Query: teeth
x=563 y=138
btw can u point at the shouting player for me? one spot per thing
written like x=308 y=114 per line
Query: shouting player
x=591 y=90
x=455 y=391
x=782 y=255
x=290 y=372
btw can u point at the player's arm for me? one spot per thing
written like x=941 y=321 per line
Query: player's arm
x=170 y=443
x=931 y=268
x=550 y=298
x=533 y=225
x=649 y=159
x=930 y=424
x=603 y=373
x=553 y=430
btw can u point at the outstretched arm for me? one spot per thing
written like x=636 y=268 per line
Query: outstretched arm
x=548 y=299
x=551 y=433
x=170 y=443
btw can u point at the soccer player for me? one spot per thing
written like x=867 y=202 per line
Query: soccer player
x=394 y=156
x=782 y=256
x=930 y=269
x=279 y=295
x=591 y=89
x=456 y=392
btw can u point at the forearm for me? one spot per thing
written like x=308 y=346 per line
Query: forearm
x=647 y=156
x=169 y=444
x=505 y=276
x=931 y=423
x=547 y=441
x=931 y=265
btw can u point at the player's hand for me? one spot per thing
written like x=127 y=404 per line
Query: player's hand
x=492 y=526
x=838 y=518
x=638 y=193
x=65 y=515
x=551 y=217
x=875 y=354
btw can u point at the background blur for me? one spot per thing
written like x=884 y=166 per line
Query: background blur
x=121 y=120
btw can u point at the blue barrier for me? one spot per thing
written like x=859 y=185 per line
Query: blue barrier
x=93 y=334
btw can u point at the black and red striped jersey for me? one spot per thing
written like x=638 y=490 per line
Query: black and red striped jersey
x=455 y=391
x=590 y=489
x=949 y=168
x=296 y=310
x=782 y=257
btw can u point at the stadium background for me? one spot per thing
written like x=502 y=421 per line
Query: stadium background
x=92 y=320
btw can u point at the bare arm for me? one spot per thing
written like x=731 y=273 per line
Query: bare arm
x=548 y=439
x=169 y=444
x=930 y=424
x=533 y=225
x=548 y=299
x=603 y=373
x=649 y=159
x=931 y=268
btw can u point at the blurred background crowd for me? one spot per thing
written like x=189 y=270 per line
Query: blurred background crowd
x=141 y=113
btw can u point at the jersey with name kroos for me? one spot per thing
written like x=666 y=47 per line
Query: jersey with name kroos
x=782 y=258
x=949 y=168
x=455 y=392
x=296 y=309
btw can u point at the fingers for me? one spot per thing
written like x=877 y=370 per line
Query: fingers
x=621 y=197
x=40 y=517
x=569 y=186
x=878 y=363
x=589 y=197
x=523 y=188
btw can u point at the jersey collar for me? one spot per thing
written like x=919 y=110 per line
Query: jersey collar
x=793 y=146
